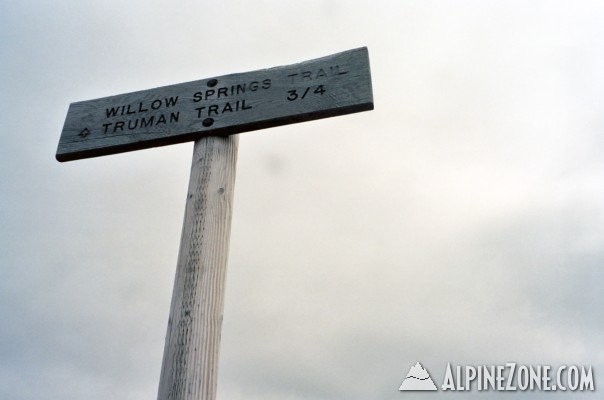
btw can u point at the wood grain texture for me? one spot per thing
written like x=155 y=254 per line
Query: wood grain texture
x=334 y=85
x=190 y=361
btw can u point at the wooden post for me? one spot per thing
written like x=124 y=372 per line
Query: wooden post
x=190 y=363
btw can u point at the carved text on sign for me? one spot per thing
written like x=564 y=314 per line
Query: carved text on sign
x=148 y=120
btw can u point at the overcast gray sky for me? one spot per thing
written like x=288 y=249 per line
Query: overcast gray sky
x=460 y=221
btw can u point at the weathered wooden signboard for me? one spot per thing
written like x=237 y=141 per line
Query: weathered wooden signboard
x=325 y=87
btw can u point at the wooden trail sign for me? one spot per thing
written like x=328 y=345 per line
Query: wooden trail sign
x=325 y=87
x=210 y=111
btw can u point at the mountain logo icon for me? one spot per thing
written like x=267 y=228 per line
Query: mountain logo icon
x=418 y=379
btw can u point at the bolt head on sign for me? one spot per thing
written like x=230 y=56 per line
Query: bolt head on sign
x=325 y=87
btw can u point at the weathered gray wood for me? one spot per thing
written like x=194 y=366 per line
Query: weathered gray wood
x=190 y=362
x=329 y=86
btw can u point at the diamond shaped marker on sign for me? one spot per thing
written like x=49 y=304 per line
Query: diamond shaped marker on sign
x=85 y=132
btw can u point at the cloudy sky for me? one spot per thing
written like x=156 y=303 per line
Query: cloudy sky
x=461 y=221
